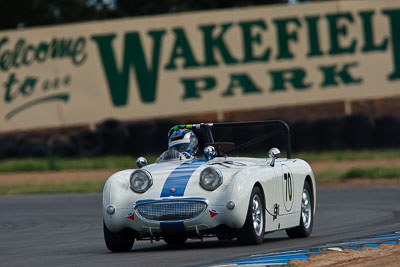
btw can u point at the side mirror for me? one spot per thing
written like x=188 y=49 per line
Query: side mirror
x=273 y=155
x=210 y=152
x=141 y=162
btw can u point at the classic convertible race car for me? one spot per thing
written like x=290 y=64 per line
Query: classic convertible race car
x=182 y=196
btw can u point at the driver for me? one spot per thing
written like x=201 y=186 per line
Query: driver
x=182 y=144
x=184 y=141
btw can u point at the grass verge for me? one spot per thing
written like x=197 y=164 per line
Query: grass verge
x=340 y=155
x=123 y=162
x=53 y=188
x=374 y=173
x=352 y=173
x=56 y=164
x=325 y=177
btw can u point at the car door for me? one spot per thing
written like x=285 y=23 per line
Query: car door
x=286 y=187
x=270 y=184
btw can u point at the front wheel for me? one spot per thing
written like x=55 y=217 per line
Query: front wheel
x=306 y=216
x=252 y=232
x=119 y=242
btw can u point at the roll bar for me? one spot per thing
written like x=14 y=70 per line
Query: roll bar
x=282 y=126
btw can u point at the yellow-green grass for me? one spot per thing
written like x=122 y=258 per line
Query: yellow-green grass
x=331 y=176
x=55 y=164
x=53 y=188
x=352 y=173
x=122 y=162
x=341 y=155
x=335 y=155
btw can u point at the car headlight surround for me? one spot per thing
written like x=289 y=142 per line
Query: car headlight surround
x=140 y=181
x=210 y=178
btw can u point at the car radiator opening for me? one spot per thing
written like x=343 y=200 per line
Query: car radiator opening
x=171 y=211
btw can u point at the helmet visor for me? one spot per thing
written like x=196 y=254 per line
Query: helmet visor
x=182 y=147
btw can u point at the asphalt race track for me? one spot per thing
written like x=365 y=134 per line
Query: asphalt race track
x=66 y=230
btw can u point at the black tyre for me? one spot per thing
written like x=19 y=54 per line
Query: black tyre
x=306 y=215
x=162 y=128
x=329 y=133
x=303 y=136
x=140 y=138
x=118 y=242
x=175 y=240
x=386 y=132
x=33 y=146
x=90 y=143
x=252 y=232
x=62 y=145
x=114 y=135
x=358 y=131
x=8 y=147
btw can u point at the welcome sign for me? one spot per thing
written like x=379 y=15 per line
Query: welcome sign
x=182 y=64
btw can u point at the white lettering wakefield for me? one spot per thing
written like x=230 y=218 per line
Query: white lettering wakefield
x=185 y=64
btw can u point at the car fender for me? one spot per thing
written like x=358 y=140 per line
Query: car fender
x=242 y=186
x=304 y=170
x=114 y=194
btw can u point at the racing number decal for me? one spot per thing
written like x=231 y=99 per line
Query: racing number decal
x=289 y=191
x=287 y=188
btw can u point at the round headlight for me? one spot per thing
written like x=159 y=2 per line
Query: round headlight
x=141 y=180
x=210 y=178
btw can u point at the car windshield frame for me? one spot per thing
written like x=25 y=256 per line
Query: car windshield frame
x=171 y=155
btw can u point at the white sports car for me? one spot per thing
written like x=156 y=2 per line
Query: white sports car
x=182 y=196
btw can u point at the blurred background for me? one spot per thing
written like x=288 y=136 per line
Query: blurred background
x=326 y=124
x=25 y=13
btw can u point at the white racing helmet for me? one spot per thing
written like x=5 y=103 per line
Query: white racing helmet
x=183 y=140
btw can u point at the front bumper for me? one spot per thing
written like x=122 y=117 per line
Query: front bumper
x=158 y=217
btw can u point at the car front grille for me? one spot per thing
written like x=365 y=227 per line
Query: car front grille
x=171 y=210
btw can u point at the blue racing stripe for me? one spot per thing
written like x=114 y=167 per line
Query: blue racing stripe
x=179 y=178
